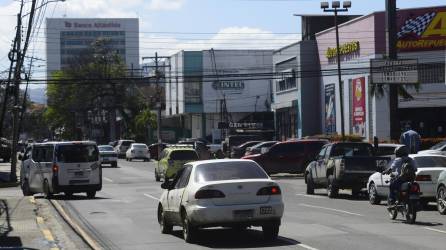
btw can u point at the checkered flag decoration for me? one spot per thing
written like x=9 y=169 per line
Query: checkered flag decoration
x=417 y=25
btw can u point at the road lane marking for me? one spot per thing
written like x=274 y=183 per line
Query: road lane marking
x=307 y=247
x=435 y=230
x=151 y=197
x=107 y=179
x=312 y=196
x=330 y=209
x=48 y=235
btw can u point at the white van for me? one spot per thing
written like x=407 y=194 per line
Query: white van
x=54 y=167
x=122 y=146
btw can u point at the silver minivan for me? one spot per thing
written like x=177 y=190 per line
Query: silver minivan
x=54 y=167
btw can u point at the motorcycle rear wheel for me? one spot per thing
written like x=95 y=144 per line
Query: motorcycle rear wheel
x=411 y=213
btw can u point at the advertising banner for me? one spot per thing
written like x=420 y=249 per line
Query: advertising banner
x=330 y=109
x=358 y=107
x=422 y=29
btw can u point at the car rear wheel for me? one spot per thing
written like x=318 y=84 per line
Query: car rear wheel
x=68 y=194
x=114 y=164
x=25 y=188
x=165 y=226
x=157 y=177
x=271 y=231
x=441 y=200
x=189 y=231
x=91 y=194
x=310 y=184
x=332 y=189
x=47 y=190
x=373 y=195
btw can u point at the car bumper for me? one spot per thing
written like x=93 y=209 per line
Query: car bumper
x=109 y=160
x=211 y=216
x=428 y=190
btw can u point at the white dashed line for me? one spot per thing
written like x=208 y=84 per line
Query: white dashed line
x=107 y=179
x=151 y=197
x=435 y=230
x=330 y=209
x=312 y=196
x=307 y=247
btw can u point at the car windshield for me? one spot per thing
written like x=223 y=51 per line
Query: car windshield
x=385 y=150
x=77 y=153
x=220 y=171
x=264 y=144
x=184 y=155
x=139 y=146
x=126 y=143
x=106 y=149
x=352 y=150
x=438 y=146
x=430 y=162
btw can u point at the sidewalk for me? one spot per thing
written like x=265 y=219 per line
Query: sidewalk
x=20 y=226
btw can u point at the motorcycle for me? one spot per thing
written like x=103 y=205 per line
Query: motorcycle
x=407 y=202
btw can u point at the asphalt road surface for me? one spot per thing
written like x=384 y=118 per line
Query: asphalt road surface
x=123 y=216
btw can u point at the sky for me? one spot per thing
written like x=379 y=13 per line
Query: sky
x=253 y=24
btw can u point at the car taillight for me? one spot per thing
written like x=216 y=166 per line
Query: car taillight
x=423 y=178
x=55 y=168
x=415 y=188
x=209 y=194
x=273 y=190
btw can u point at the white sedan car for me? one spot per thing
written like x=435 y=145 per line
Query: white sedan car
x=137 y=151
x=228 y=193
x=429 y=168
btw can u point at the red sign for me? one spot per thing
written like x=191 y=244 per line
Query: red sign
x=422 y=29
x=358 y=107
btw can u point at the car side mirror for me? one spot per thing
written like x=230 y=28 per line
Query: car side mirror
x=166 y=185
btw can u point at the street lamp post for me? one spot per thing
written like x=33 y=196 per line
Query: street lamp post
x=335 y=8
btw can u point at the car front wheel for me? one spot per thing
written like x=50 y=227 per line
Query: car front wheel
x=441 y=200
x=271 y=231
x=373 y=195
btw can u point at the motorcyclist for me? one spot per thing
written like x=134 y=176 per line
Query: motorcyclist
x=402 y=160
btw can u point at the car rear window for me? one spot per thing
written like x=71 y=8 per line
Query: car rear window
x=183 y=155
x=352 y=150
x=430 y=162
x=77 y=153
x=221 y=171
x=140 y=146
x=106 y=148
x=126 y=143
x=385 y=150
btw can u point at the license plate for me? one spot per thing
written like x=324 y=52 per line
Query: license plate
x=266 y=210
x=79 y=173
x=243 y=214
x=105 y=159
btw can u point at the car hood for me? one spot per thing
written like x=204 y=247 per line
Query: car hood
x=250 y=157
x=430 y=151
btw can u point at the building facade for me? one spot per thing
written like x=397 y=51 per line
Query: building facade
x=296 y=91
x=366 y=105
x=66 y=38
x=211 y=87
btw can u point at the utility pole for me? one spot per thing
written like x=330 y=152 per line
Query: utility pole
x=336 y=7
x=391 y=33
x=17 y=81
x=158 y=102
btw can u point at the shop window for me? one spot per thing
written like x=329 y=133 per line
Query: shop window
x=431 y=73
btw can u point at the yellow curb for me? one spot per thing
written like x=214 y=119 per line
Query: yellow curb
x=54 y=248
x=32 y=200
x=48 y=235
x=40 y=220
x=79 y=230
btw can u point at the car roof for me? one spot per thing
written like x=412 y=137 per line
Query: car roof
x=179 y=148
x=139 y=144
x=390 y=145
x=195 y=163
x=424 y=155
x=65 y=143
x=105 y=145
x=302 y=141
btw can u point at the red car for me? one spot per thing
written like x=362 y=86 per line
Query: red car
x=288 y=157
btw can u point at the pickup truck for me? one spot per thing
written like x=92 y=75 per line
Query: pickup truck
x=343 y=165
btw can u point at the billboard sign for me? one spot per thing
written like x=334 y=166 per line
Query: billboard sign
x=403 y=71
x=330 y=109
x=358 y=107
x=422 y=29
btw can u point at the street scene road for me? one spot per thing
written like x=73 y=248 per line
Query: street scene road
x=123 y=216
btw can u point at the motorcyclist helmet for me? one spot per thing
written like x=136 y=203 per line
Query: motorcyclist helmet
x=401 y=151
